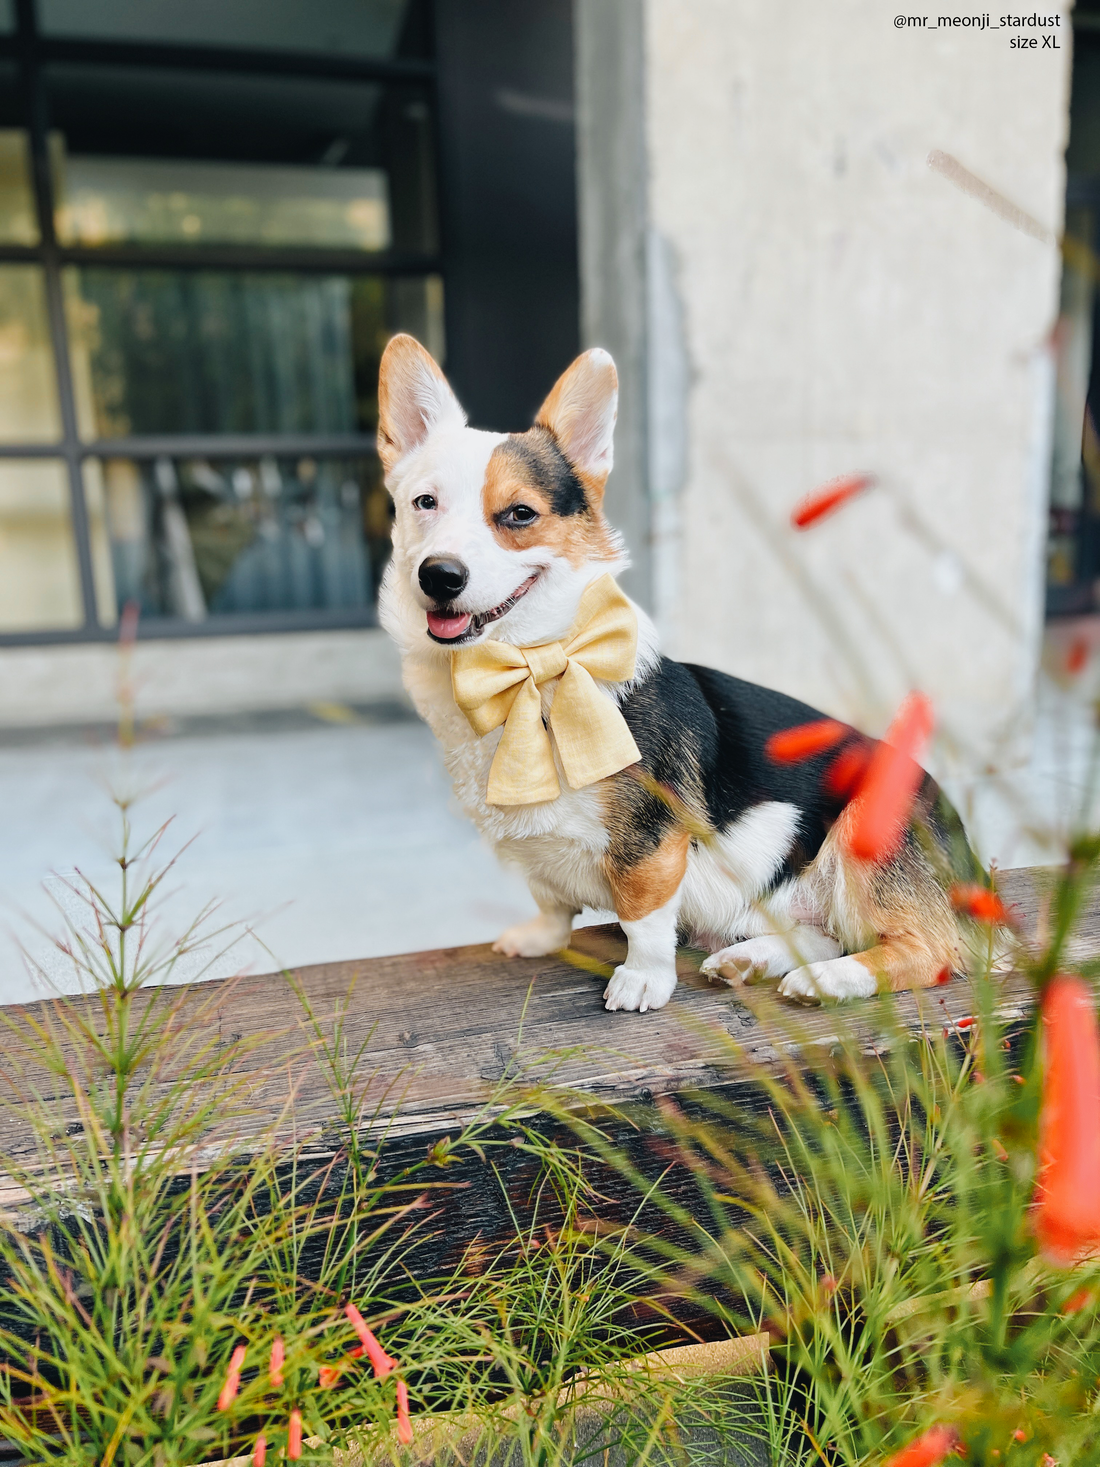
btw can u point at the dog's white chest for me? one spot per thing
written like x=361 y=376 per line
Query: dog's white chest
x=559 y=844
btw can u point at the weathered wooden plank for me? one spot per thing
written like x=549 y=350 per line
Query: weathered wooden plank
x=443 y=1029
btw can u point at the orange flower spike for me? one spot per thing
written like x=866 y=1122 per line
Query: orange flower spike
x=381 y=1362
x=294 y=1435
x=979 y=902
x=1077 y=656
x=275 y=1365
x=829 y=498
x=404 y=1425
x=259 y=1451
x=926 y=1450
x=847 y=769
x=1067 y=1205
x=804 y=741
x=880 y=810
x=232 y=1379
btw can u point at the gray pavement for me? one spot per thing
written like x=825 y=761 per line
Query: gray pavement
x=339 y=839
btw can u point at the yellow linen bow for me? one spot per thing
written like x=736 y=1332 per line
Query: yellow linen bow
x=494 y=683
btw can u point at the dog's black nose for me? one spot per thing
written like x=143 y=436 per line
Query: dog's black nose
x=442 y=578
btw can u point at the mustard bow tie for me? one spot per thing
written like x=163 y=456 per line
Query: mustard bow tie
x=494 y=683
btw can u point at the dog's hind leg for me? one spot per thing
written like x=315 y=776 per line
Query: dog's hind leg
x=771 y=956
x=907 y=960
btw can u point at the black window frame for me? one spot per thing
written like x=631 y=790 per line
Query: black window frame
x=33 y=53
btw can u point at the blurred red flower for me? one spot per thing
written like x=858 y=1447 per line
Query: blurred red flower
x=381 y=1362
x=978 y=902
x=1077 y=656
x=294 y=1436
x=926 y=1450
x=880 y=810
x=848 y=768
x=792 y=745
x=329 y=1375
x=404 y=1425
x=1067 y=1194
x=275 y=1365
x=232 y=1379
x=821 y=502
x=259 y=1451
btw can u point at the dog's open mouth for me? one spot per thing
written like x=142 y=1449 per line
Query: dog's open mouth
x=453 y=630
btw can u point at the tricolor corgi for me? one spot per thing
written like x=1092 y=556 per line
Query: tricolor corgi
x=499 y=543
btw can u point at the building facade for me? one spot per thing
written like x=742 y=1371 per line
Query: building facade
x=216 y=214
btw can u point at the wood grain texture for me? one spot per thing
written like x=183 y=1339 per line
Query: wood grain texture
x=443 y=1030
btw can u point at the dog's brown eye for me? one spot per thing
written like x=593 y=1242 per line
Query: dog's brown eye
x=518 y=514
x=424 y=501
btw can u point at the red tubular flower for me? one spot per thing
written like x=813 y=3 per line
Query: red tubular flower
x=847 y=769
x=259 y=1452
x=926 y=1450
x=381 y=1362
x=275 y=1365
x=1067 y=1194
x=978 y=902
x=793 y=745
x=294 y=1435
x=404 y=1425
x=329 y=1375
x=1077 y=656
x=232 y=1379
x=828 y=498
x=885 y=796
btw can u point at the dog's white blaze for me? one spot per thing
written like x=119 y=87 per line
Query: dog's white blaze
x=723 y=886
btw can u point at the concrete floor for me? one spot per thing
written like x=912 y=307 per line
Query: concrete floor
x=334 y=840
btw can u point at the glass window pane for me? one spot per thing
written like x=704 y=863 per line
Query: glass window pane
x=159 y=351
x=133 y=200
x=344 y=27
x=29 y=411
x=39 y=575
x=192 y=538
x=18 y=220
x=194 y=157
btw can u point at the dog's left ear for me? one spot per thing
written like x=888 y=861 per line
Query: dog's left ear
x=580 y=412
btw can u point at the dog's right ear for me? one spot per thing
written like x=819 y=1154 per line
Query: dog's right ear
x=413 y=398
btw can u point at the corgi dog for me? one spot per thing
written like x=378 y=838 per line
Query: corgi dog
x=498 y=540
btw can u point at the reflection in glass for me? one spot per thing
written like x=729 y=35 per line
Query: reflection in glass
x=192 y=538
x=29 y=410
x=158 y=351
x=18 y=221
x=350 y=27
x=39 y=574
x=141 y=201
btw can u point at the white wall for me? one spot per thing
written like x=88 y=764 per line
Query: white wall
x=198 y=675
x=821 y=302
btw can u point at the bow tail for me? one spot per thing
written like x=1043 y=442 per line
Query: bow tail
x=592 y=735
x=522 y=771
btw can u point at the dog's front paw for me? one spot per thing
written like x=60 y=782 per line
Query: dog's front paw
x=638 y=988
x=544 y=934
x=745 y=962
x=837 y=979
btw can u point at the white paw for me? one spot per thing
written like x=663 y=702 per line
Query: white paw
x=638 y=988
x=839 y=978
x=546 y=933
x=745 y=962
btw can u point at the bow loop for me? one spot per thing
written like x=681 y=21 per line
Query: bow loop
x=495 y=683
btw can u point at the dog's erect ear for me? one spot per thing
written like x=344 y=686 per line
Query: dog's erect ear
x=580 y=412
x=413 y=398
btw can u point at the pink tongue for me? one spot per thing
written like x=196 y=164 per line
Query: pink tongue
x=448 y=626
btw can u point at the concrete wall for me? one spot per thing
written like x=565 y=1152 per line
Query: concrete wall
x=200 y=675
x=818 y=302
